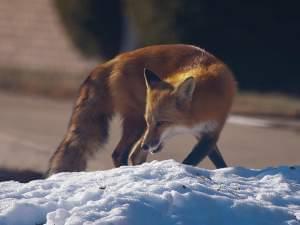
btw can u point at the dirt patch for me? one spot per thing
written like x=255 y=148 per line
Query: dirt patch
x=22 y=176
x=267 y=105
x=52 y=84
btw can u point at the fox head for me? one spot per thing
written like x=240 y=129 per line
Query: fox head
x=166 y=109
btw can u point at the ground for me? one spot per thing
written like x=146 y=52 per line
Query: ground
x=160 y=192
x=32 y=127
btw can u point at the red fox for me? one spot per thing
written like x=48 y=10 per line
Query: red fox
x=159 y=91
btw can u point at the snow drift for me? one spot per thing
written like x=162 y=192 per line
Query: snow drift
x=160 y=193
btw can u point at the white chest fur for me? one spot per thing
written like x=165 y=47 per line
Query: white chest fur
x=198 y=130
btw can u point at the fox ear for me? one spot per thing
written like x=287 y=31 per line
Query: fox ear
x=184 y=92
x=151 y=78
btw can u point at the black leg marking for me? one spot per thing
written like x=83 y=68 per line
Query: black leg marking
x=200 y=151
x=217 y=158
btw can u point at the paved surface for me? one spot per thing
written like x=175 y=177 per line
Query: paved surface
x=32 y=127
x=35 y=39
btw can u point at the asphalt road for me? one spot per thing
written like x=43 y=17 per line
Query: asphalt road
x=32 y=127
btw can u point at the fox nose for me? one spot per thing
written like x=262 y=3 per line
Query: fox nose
x=145 y=147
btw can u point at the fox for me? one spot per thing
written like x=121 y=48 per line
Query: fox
x=159 y=91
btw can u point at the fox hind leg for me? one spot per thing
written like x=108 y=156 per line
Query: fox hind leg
x=132 y=131
x=216 y=157
x=205 y=147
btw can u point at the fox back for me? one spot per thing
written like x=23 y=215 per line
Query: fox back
x=159 y=91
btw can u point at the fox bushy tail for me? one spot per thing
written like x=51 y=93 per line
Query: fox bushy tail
x=89 y=125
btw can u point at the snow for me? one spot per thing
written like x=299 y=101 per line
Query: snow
x=160 y=193
x=250 y=121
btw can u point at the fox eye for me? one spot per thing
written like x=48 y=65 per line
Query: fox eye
x=161 y=123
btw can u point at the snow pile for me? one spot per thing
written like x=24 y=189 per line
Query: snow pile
x=160 y=193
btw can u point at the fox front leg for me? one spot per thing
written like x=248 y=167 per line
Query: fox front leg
x=138 y=155
x=217 y=159
x=205 y=147
x=132 y=131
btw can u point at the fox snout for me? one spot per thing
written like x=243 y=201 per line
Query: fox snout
x=152 y=146
x=147 y=146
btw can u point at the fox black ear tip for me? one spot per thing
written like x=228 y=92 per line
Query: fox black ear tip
x=146 y=70
x=149 y=73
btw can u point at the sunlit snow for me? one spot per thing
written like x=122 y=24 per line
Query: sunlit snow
x=160 y=193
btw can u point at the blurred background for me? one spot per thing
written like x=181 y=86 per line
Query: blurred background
x=47 y=47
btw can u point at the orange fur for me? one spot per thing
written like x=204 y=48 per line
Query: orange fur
x=118 y=86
